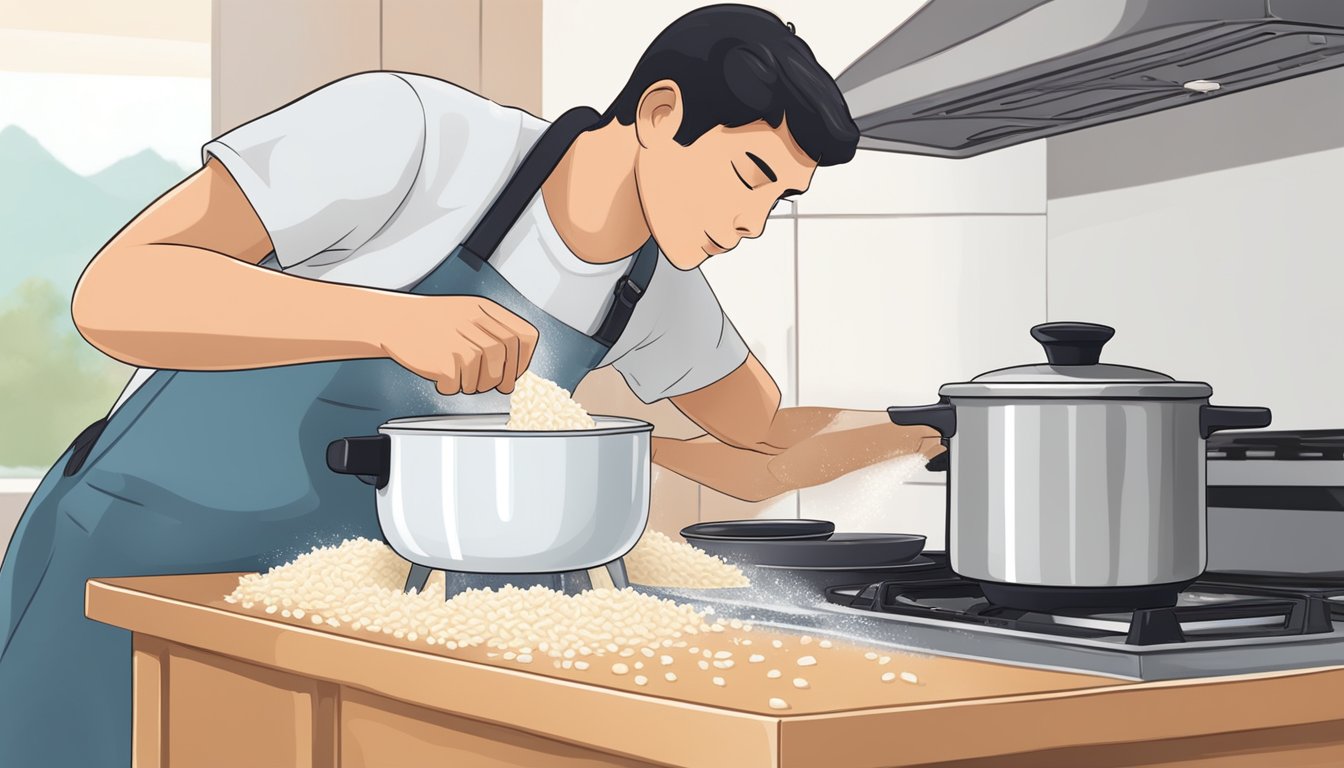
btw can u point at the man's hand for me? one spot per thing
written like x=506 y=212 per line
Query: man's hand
x=461 y=343
x=755 y=449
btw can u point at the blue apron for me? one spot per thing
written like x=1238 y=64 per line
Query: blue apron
x=216 y=471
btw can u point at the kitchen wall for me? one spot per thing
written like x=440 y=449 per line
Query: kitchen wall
x=1209 y=236
x=893 y=274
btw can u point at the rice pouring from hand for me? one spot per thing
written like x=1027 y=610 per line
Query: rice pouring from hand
x=538 y=404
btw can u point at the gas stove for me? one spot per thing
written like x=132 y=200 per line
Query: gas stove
x=1273 y=598
x=1223 y=624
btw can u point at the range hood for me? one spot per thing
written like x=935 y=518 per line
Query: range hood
x=964 y=77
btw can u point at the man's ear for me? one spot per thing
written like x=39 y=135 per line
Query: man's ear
x=659 y=114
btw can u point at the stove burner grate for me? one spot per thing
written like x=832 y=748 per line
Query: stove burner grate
x=1224 y=612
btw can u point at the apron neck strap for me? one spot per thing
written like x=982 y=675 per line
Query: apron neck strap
x=629 y=290
x=518 y=192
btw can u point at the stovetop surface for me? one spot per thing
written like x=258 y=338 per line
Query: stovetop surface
x=1223 y=624
x=1204 y=613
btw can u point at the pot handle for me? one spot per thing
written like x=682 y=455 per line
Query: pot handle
x=942 y=416
x=942 y=462
x=1215 y=418
x=364 y=456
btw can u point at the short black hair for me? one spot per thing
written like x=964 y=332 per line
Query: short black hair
x=735 y=65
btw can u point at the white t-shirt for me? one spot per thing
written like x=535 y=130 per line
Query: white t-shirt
x=373 y=179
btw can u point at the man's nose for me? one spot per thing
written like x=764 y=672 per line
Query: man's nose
x=751 y=230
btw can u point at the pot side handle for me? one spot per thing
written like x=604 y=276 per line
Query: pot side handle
x=1215 y=418
x=941 y=416
x=363 y=456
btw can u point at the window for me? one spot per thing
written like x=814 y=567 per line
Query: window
x=103 y=107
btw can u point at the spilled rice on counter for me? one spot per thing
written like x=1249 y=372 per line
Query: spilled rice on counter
x=658 y=561
x=651 y=641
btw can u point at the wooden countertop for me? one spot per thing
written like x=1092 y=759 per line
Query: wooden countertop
x=958 y=709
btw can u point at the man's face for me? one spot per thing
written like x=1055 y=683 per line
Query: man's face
x=702 y=200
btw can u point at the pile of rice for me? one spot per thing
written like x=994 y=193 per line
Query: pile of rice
x=658 y=561
x=359 y=585
x=538 y=404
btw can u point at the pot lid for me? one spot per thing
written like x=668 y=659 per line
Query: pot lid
x=1073 y=369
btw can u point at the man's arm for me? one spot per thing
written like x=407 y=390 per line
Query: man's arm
x=756 y=450
x=179 y=288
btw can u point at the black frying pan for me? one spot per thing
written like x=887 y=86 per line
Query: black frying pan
x=750 y=530
x=851 y=550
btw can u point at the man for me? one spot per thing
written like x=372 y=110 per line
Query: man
x=303 y=285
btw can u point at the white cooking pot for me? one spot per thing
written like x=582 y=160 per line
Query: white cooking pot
x=463 y=493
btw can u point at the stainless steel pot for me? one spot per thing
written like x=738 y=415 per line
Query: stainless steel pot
x=1075 y=483
x=463 y=493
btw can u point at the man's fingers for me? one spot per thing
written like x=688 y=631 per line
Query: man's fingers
x=509 y=340
x=527 y=344
x=492 y=358
x=469 y=367
x=448 y=382
x=527 y=335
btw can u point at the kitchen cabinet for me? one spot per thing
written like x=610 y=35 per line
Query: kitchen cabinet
x=217 y=685
x=258 y=68
x=440 y=39
x=755 y=284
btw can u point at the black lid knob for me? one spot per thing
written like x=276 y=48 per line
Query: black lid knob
x=1072 y=343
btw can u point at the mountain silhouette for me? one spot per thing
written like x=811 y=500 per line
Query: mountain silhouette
x=54 y=220
x=138 y=179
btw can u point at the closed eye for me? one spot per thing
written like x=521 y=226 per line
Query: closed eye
x=739 y=177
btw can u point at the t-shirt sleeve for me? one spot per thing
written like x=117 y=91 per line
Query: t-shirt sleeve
x=325 y=172
x=679 y=338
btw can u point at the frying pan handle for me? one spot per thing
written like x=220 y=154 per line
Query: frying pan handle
x=364 y=456
x=1215 y=418
x=941 y=416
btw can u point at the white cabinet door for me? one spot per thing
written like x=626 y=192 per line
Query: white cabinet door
x=755 y=285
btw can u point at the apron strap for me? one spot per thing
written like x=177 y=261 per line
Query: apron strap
x=518 y=192
x=629 y=290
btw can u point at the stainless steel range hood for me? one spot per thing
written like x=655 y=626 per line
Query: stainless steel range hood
x=963 y=77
